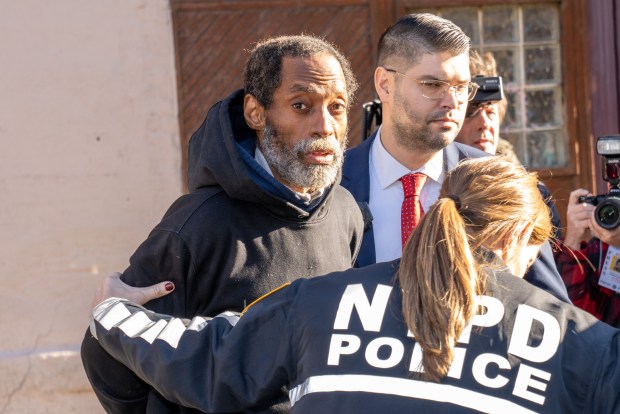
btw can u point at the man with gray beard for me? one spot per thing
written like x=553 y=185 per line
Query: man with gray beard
x=264 y=205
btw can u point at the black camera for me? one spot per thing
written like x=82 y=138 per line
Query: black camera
x=607 y=212
x=490 y=90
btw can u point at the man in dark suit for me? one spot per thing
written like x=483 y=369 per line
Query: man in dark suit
x=356 y=179
x=423 y=81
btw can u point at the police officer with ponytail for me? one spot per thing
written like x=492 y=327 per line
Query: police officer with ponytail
x=450 y=328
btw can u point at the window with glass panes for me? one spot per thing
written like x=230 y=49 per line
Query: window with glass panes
x=525 y=41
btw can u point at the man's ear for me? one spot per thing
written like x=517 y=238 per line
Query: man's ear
x=253 y=112
x=382 y=84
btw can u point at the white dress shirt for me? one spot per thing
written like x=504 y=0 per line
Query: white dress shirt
x=386 y=196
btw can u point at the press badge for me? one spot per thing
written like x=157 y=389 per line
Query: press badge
x=610 y=275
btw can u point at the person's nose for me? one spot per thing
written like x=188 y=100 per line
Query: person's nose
x=450 y=98
x=484 y=120
x=324 y=123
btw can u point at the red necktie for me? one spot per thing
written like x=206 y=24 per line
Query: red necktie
x=411 y=211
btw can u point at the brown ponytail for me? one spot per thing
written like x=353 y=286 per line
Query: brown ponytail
x=482 y=201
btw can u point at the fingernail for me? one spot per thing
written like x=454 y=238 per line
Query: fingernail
x=169 y=286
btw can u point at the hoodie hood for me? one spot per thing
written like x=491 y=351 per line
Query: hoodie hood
x=221 y=152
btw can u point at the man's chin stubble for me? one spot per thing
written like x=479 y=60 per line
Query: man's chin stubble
x=426 y=145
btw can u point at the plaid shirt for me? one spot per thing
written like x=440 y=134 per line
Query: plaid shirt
x=580 y=271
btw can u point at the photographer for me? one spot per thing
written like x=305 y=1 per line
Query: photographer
x=582 y=263
x=486 y=111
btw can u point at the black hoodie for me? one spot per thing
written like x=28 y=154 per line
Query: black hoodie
x=237 y=235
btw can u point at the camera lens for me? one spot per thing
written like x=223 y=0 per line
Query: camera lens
x=607 y=213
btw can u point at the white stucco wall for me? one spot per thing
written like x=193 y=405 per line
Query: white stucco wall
x=89 y=162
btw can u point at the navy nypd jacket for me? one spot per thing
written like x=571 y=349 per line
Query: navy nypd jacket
x=339 y=344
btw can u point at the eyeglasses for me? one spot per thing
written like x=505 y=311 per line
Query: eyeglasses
x=437 y=89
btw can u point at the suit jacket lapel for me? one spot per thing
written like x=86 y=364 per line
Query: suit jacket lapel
x=451 y=157
x=356 y=179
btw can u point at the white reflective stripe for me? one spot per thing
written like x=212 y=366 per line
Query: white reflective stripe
x=151 y=334
x=197 y=323
x=175 y=327
x=110 y=317
x=405 y=388
x=115 y=312
x=135 y=324
x=172 y=332
x=231 y=317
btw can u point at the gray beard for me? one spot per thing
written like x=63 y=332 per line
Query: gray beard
x=288 y=165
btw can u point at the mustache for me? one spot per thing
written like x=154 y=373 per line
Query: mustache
x=329 y=144
x=442 y=115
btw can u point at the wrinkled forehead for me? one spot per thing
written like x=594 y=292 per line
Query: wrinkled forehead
x=474 y=108
x=320 y=73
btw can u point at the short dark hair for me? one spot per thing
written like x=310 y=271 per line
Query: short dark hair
x=414 y=35
x=263 y=70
